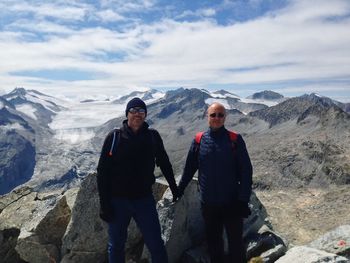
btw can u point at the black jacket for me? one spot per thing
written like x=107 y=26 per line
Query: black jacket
x=129 y=170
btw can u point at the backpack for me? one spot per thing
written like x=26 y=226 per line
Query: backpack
x=233 y=138
x=116 y=139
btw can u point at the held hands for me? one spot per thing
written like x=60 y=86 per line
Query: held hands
x=176 y=193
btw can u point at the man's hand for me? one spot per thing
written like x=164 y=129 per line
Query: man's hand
x=176 y=194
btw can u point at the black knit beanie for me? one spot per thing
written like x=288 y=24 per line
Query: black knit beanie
x=133 y=103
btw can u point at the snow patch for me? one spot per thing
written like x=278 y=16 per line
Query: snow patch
x=27 y=110
x=76 y=123
x=74 y=135
x=48 y=102
x=156 y=96
x=2 y=105
x=268 y=103
x=227 y=95
x=13 y=126
x=88 y=114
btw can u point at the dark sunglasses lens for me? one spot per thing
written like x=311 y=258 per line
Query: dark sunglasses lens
x=134 y=110
x=219 y=115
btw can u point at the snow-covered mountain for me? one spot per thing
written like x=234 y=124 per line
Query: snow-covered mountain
x=17 y=149
x=148 y=96
x=36 y=105
x=66 y=143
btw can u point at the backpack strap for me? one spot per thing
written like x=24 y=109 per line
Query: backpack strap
x=233 y=135
x=233 y=138
x=198 y=137
x=197 y=140
x=115 y=141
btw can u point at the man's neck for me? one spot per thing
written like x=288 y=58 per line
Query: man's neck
x=135 y=129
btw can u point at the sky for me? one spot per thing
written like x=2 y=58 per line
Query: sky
x=86 y=48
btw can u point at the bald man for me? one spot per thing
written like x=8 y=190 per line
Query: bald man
x=225 y=180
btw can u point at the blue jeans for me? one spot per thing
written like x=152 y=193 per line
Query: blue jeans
x=144 y=212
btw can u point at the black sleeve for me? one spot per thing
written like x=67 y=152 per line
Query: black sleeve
x=103 y=170
x=162 y=161
x=245 y=170
x=191 y=167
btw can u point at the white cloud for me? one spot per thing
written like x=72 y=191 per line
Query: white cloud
x=307 y=40
x=40 y=26
x=129 y=6
x=206 y=12
x=43 y=9
x=109 y=15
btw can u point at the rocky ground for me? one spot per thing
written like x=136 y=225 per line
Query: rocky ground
x=302 y=215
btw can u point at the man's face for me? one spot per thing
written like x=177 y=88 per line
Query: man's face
x=136 y=117
x=216 y=116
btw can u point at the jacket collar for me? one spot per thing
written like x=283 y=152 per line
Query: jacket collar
x=129 y=131
x=218 y=132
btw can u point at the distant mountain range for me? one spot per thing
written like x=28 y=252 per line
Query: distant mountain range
x=292 y=141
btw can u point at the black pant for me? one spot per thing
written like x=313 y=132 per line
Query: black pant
x=215 y=219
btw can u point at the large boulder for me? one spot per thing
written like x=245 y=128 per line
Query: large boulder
x=302 y=254
x=32 y=225
x=40 y=238
x=86 y=237
x=36 y=225
x=336 y=241
x=183 y=229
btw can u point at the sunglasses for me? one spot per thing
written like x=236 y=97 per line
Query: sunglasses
x=137 y=110
x=218 y=115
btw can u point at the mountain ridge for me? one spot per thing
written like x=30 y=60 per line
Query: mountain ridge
x=178 y=115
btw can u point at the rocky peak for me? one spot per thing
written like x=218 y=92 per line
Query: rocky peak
x=4 y=103
x=298 y=107
x=148 y=95
x=318 y=99
x=266 y=95
x=224 y=93
x=20 y=92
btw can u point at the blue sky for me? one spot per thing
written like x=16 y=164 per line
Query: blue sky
x=113 y=47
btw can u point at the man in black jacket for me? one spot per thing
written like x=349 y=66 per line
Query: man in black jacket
x=125 y=175
x=225 y=179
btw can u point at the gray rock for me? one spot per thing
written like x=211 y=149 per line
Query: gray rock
x=15 y=209
x=32 y=225
x=86 y=237
x=86 y=234
x=302 y=254
x=181 y=223
x=273 y=254
x=266 y=244
x=183 y=229
x=40 y=238
x=336 y=241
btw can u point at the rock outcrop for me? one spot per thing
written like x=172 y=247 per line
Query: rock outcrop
x=183 y=230
x=65 y=227
x=336 y=241
x=302 y=254
x=32 y=225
